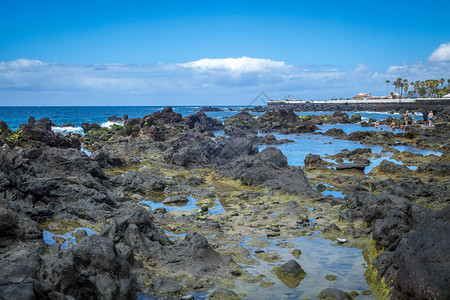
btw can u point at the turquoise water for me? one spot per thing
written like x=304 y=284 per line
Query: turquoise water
x=319 y=257
x=191 y=205
x=49 y=237
x=14 y=116
x=305 y=144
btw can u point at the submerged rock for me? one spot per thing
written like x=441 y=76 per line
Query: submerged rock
x=333 y=294
x=290 y=273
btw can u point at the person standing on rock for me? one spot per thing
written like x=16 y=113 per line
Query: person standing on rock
x=392 y=126
x=413 y=118
x=425 y=117
x=430 y=119
x=405 y=115
x=377 y=124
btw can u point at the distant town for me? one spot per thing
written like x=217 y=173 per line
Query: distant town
x=403 y=89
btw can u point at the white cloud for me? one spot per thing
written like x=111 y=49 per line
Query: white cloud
x=239 y=65
x=441 y=54
x=206 y=81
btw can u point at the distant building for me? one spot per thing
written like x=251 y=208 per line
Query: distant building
x=362 y=96
x=394 y=96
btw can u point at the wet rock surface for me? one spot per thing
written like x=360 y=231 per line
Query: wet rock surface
x=168 y=160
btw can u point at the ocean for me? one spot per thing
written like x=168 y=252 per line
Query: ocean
x=14 y=116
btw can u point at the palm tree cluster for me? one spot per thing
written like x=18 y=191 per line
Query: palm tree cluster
x=427 y=88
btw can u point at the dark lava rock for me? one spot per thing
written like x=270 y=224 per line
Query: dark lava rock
x=314 y=161
x=165 y=286
x=222 y=294
x=107 y=159
x=241 y=124
x=284 y=121
x=195 y=252
x=269 y=168
x=94 y=268
x=88 y=127
x=350 y=166
x=355 y=118
x=194 y=152
x=290 y=273
x=333 y=294
x=135 y=229
x=335 y=132
x=137 y=182
x=176 y=200
x=40 y=132
x=202 y=123
x=56 y=181
x=387 y=167
x=435 y=168
x=423 y=258
x=210 y=108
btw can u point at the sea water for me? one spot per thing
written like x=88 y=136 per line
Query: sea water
x=76 y=115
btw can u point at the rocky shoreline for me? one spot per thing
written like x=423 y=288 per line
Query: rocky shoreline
x=122 y=247
x=434 y=104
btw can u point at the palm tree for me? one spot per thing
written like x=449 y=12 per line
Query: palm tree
x=398 y=84
x=387 y=86
x=405 y=85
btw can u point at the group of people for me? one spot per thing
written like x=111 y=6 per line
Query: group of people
x=428 y=118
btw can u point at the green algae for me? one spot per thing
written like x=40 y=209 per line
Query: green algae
x=291 y=280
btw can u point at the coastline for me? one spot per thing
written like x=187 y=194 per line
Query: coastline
x=361 y=105
x=187 y=212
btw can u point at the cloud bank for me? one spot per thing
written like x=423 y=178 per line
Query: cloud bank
x=225 y=81
x=441 y=54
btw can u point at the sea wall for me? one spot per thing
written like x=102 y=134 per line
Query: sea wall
x=363 y=105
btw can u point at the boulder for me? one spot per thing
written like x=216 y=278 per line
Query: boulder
x=290 y=273
x=93 y=268
x=107 y=159
x=333 y=294
x=38 y=133
x=176 y=200
x=423 y=258
x=350 y=166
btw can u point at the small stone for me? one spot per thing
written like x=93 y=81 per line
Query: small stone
x=320 y=188
x=259 y=251
x=341 y=241
x=198 y=286
x=330 y=277
x=296 y=253
x=176 y=200
x=290 y=273
x=201 y=218
x=187 y=297
x=332 y=293
x=273 y=234
x=79 y=234
x=353 y=294
x=366 y=292
x=331 y=227
x=266 y=284
x=236 y=273
x=204 y=208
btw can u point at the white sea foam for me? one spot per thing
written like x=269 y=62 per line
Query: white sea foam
x=108 y=124
x=68 y=129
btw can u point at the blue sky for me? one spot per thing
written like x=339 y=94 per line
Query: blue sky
x=149 y=53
